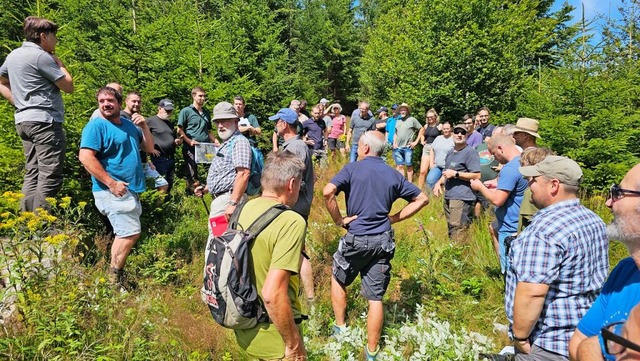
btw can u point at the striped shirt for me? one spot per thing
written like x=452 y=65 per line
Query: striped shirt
x=234 y=153
x=566 y=248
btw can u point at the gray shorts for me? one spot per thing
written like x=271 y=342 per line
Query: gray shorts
x=370 y=256
x=123 y=212
x=334 y=144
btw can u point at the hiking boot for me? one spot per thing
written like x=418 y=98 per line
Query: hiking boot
x=119 y=280
x=371 y=356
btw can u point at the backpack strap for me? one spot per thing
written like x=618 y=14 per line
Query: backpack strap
x=265 y=219
x=233 y=220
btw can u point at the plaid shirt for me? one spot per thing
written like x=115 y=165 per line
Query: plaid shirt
x=565 y=247
x=234 y=153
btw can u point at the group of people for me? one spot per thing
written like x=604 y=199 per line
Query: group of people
x=552 y=250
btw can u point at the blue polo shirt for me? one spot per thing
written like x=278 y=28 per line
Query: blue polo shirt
x=370 y=187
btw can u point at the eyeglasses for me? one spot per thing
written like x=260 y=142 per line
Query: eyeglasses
x=459 y=131
x=615 y=192
x=614 y=342
x=468 y=123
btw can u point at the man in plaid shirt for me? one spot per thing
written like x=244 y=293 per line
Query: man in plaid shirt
x=231 y=167
x=557 y=265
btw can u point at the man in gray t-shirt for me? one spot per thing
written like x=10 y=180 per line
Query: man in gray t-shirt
x=31 y=79
x=360 y=122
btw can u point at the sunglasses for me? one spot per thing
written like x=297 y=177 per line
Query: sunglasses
x=615 y=192
x=460 y=131
x=614 y=343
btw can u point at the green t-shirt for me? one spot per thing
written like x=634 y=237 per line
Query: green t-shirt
x=278 y=247
x=406 y=130
x=527 y=210
x=195 y=125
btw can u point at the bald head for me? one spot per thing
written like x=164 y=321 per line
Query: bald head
x=116 y=86
x=503 y=148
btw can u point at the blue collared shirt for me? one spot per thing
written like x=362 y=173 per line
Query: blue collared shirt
x=566 y=248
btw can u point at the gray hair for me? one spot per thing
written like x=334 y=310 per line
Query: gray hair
x=508 y=129
x=376 y=142
x=279 y=168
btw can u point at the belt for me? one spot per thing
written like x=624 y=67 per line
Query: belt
x=216 y=195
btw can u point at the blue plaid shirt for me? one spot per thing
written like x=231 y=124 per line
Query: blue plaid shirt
x=565 y=247
x=234 y=153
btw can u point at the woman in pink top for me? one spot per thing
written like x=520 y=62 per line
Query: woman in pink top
x=337 y=129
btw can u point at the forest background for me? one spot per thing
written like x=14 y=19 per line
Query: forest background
x=519 y=58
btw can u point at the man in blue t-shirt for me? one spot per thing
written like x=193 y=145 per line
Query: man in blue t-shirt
x=368 y=246
x=621 y=291
x=110 y=152
x=508 y=194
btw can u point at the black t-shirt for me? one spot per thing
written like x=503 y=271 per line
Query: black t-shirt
x=430 y=134
x=164 y=135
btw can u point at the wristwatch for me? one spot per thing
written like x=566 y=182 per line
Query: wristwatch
x=457 y=174
x=514 y=338
x=232 y=203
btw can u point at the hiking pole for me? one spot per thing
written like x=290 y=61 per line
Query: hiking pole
x=196 y=185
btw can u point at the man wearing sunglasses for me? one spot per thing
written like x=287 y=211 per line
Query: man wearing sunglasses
x=621 y=292
x=557 y=265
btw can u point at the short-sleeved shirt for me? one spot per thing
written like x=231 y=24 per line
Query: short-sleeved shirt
x=278 y=246
x=440 y=147
x=511 y=181
x=474 y=139
x=370 y=187
x=314 y=130
x=117 y=148
x=32 y=73
x=390 y=128
x=249 y=120
x=337 y=126
x=566 y=248
x=327 y=121
x=465 y=160
x=234 y=153
x=359 y=126
x=406 y=130
x=486 y=131
x=430 y=133
x=298 y=147
x=487 y=160
x=195 y=125
x=164 y=135
x=619 y=295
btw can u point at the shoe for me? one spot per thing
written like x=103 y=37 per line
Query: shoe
x=371 y=356
x=337 y=330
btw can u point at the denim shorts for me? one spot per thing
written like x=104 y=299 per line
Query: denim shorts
x=150 y=173
x=123 y=212
x=370 y=256
x=402 y=156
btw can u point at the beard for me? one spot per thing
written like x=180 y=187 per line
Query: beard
x=225 y=134
x=622 y=229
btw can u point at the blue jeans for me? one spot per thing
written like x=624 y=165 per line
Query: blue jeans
x=504 y=257
x=166 y=167
x=353 y=155
x=402 y=156
x=433 y=176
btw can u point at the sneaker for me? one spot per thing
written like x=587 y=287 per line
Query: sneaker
x=337 y=330
x=371 y=356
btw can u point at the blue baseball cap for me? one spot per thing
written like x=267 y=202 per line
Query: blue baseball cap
x=286 y=114
x=394 y=106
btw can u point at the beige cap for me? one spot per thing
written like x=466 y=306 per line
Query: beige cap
x=527 y=125
x=224 y=111
x=566 y=170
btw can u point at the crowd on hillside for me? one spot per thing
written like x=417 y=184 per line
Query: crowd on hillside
x=560 y=298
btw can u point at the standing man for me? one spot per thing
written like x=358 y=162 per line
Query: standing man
x=621 y=292
x=508 y=195
x=461 y=165
x=249 y=126
x=31 y=79
x=275 y=261
x=164 y=141
x=474 y=138
x=316 y=133
x=286 y=126
x=368 y=246
x=194 y=126
x=230 y=169
x=557 y=265
x=360 y=122
x=485 y=128
x=405 y=140
x=110 y=152
x=390 y=127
